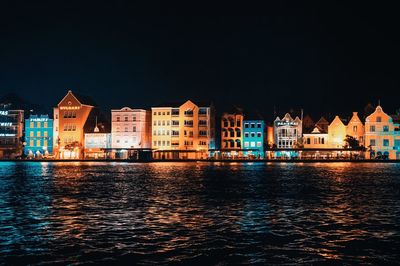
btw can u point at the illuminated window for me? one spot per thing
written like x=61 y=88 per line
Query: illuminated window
x=45 y=134
x=31 y=134
x=45 y=143
x=31 y=143
x=372 y=142
x=386 y=142
x=38 y=143
x=155 y=123
x=154 y=143
x=252 y=144
x=354 y=129
x=38 y=124
x=31 y=124
x=38 y=134
x=45 y=125
x=372 y=128
x=246 y=144
x=258 y=144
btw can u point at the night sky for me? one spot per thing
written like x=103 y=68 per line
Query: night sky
x=321 y=56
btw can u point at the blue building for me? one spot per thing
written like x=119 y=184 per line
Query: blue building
x=38 y=136
x=253 y=138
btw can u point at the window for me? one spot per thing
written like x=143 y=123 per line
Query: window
x=46 y=134
x=386 y=128
x=315 y=141
x=188 y=123
x=155 y=123
x=163 y=113
x=57 y=116
x=38 y=134
x=118 y=118
x=258 y=143
x=168 y=123
x=155 y=132
x=322 y=140
x=38 y=143
x=385 y=142
x=126 y=118
x=175 y=123
x=252 y=144
x=167 y=113
x=31 y=142
x=163 y=123
x=372 y=128
x=246 y=125
x=253 y=125
x=31 y=124
x=38 y=124
x=203 y=122
x=134 y=129
x=202 y=111
x=155 y=113
x=246 y=144
x=354 y=129
x=259 y=135
x=31 y=134
x=378 y=119
x=238 y=135
x=372 y=142
x=134 y=118
x=159 y=113
x=45 y=143
x=246 y=135
x=308 y=141
x=159 y=122
x=154 y=143
x=238 y=123
x=253 y=134
x=258 y=125
x=175 y=133
x=203 y=133
x=126 y=129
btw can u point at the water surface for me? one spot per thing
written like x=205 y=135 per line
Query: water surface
x=199 y=213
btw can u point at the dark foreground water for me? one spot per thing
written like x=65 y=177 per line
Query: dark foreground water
x=188 y=213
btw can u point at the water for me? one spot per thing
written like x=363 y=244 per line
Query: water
x=204 y=213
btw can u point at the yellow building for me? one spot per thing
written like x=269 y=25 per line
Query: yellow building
x=231 y=131
x=336 y=134
x=186 y=131
x=317 y=139
x=355 y=128
x=70 y=117
x=382 y=136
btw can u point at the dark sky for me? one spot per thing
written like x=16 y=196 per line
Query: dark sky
x=322 y=56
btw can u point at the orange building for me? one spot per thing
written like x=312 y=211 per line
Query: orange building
x=336 y=134
x=184 y=131
x=231 y=131
x=355 y=128
x=70 y=117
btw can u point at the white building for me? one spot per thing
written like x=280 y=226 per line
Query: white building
x=130 y=128
x=287 y=132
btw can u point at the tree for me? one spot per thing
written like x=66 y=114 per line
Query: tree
x=352 y=143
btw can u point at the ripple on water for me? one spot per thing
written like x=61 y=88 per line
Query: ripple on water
x=161 y=213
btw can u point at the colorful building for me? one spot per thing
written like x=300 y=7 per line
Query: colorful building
x=355 y=128
x=11 y=132
x=183 y=131
x=130 y=129
x=336 y=134
x=253 y=138
x=287 y=132
x=382 y=136
x=38 y=136
x=70 y=117
x=232 y=131
x=316 y=139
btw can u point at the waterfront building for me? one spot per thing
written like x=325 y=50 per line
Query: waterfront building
x=38 y=136
x=316 y=139
x=287 y=132
x=70 y=117
x=382 y=136
x=253 y=138
x=183 y=131
x=130 y=129
x=355 y=128
x=322 y=124
x=232 y=133
x=11 y=132
x=336 y=134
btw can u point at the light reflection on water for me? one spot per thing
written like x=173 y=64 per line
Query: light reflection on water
x=199 y=213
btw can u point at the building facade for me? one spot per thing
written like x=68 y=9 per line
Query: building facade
x=70 y=117
x=253 y=138
x=185 y=131
x=38 y=136
x=232 y=131
x=355 y=128
x=382 y=136
x=317 y=139
x=130 y=129
x=336 y=134
x=287 y=132
x=11 y=132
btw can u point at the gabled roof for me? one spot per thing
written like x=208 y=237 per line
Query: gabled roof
x=83 y=99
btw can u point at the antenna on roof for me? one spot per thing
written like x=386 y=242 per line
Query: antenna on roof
x=379 y=102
